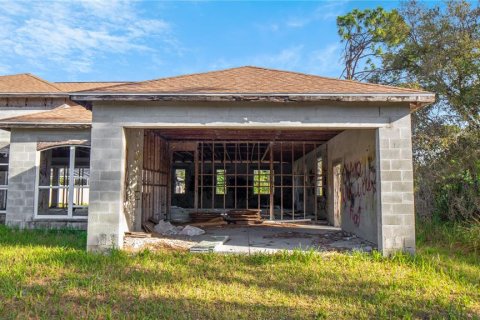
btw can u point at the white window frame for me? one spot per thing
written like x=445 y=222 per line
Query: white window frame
x=71 y=186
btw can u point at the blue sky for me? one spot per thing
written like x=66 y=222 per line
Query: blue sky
x=124 y=40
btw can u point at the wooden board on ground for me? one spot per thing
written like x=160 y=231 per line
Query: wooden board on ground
x=218 y=221
x=209 y=245
x=244 y=216
x=138 y=234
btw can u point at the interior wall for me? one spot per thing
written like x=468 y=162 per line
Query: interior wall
x=310 y=162
x=244 y=178
x=155 y=177
x=185 y=200
x=355 y=150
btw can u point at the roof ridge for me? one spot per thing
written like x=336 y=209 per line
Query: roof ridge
x=335 y=79
x=178 y=76
x=43 y=80
x=15 y=74
x=91 y=81
x=371 y=85
x=115 y=85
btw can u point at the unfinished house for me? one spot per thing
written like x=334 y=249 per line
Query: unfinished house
x=246 y=145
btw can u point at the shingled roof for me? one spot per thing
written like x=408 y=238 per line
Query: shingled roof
x=64 y=116
x=26 y=83
x=252 y=80
x=80 y=86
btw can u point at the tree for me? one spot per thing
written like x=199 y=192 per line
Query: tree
x=365 y=35
x=439 y=52
x=442 y=54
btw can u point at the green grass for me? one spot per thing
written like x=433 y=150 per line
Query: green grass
x=48 y=275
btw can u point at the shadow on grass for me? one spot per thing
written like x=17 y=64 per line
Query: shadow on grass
x=64 y=238
x=117 y=286
x=71 y=283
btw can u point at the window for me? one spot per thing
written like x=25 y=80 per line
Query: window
x=319 y=184
x=180 y=184
x=3 y=178
x=261 y=181
x=221 y=185
x=63 y=182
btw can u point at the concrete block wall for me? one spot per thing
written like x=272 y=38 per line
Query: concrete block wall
x=106 y=219
x=132 y=204
x=22 y=171
x=12 y=107
x=396 y=224
x=355 y=151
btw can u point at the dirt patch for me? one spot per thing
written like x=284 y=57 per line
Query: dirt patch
x=157 y=243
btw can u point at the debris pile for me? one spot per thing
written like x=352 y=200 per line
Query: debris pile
x=178 y=214
x=207 y=219
x=167 y=229
x=154 y=243
x=205 y=216
x=244 y=216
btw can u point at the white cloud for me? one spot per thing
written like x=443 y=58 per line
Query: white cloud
x=326 y=61
x=287 y=58
x=72 y=35
x=328 y=10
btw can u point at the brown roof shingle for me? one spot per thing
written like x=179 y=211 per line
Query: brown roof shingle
x=29 y=83
x=252 y=80
x=61 y=116
x=26 y=83
x=80 y=86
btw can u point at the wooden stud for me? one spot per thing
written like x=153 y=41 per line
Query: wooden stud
x=281 y=180
x=315 y=191
x=272 y=181
x=293 y=183
x=195 y=201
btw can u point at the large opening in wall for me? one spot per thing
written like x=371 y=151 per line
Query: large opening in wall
x=268 y=189
x=63 y=182
x=281 y=174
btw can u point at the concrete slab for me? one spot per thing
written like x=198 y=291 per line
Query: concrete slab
x=269 y=238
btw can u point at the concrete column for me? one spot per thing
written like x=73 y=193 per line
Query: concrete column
x=21 y=183
x=396 y=221
x=133 y=189
x=106 y=221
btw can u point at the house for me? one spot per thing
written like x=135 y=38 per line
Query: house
x=110 y=156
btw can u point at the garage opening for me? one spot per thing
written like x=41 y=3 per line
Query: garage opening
x=281 y=174
x=227 y=181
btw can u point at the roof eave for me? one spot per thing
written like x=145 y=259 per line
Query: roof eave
x=44 y=125
x=34 y=95
x=422 y=98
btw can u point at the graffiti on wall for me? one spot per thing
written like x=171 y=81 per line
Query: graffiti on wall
x=359 y=187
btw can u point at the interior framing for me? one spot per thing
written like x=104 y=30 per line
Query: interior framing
x=293 y=180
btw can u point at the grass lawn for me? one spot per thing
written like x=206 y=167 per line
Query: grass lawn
x=48 y=275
